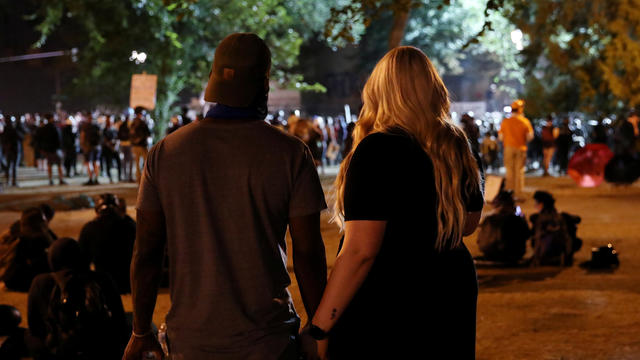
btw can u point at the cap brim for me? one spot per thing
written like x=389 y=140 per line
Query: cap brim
x=230 y=93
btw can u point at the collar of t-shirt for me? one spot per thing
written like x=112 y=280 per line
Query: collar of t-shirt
x=220 y=111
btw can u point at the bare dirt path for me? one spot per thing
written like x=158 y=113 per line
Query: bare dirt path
x=526 y=313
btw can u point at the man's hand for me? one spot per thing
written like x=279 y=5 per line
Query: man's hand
x=143 y=348
x=310 y=348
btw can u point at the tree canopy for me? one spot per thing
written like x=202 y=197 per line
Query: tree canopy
x=178 y=37
x=577 y=54
x=581 y=54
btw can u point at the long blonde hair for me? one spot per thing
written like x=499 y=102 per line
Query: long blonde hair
x=405 y=91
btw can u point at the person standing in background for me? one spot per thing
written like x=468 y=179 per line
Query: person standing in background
x=515 y=132
x=110 y=148
x=28 y=151
x=472 y=131
x=139 y=136
x=69 y=148
x=549 y=134
x=563 y=146
x=49 y=145
x=11 y=142
x=90 y=145
x=124 y=140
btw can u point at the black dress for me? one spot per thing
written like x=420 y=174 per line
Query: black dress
x=415 y=302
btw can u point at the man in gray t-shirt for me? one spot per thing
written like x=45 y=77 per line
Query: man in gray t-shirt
x=221 y=193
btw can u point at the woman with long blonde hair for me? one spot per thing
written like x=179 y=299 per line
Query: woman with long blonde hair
x=404 y=284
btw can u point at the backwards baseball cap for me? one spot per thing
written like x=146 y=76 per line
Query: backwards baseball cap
x=240 y=70
x=517 y=105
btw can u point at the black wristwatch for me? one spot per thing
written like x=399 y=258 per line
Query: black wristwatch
x=317 y=333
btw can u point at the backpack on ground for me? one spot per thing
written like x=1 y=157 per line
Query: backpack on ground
x=80 y=322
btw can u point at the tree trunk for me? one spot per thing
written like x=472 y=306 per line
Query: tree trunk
x=400 y=18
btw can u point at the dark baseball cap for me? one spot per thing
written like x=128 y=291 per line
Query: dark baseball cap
x=240 y=70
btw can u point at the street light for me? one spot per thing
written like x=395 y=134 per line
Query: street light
x=516 y=38
x=138 y=57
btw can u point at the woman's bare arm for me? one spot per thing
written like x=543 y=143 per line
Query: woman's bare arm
x=362 y=242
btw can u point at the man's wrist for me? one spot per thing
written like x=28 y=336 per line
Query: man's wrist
x=141 y=334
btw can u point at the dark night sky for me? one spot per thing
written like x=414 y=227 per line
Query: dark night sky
x=27 y=86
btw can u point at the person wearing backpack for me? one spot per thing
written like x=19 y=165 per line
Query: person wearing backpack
x=139 y=141
x=90 y=146
x=124 y=136
x=74 y=313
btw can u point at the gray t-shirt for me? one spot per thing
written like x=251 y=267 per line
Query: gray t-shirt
x=227 y=190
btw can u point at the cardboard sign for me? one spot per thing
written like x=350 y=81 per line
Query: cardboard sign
x=143 y=91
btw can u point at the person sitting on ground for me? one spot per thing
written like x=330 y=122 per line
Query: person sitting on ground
x=551 y=241
x=75 y=313
x=25 y=252
x=48 y=212
x=503 y=234
x=12 y=336
x=107 y=241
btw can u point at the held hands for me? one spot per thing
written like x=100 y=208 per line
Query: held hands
x=143 y=348
x=310 y=348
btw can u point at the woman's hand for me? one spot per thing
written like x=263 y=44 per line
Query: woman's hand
x=310 y=348
x=143 y=348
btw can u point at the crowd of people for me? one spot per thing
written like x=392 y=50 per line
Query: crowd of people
x=105 y=142
x=74 y=287
x=521 y=145
x=117 y=142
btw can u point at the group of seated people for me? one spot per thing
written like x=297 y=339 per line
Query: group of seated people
x=74 y=305
x=504 y=233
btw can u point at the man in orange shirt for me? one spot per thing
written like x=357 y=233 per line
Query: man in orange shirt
x=515 y=132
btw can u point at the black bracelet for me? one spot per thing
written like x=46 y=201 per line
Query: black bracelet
x=317 y=333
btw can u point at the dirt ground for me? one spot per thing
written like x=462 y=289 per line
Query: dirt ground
x=526 y=313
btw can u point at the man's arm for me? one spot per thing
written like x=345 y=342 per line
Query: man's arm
x=309 y=259
x=146 y=267
x=146 y=271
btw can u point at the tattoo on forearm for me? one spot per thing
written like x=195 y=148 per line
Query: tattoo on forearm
x=333 y=313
